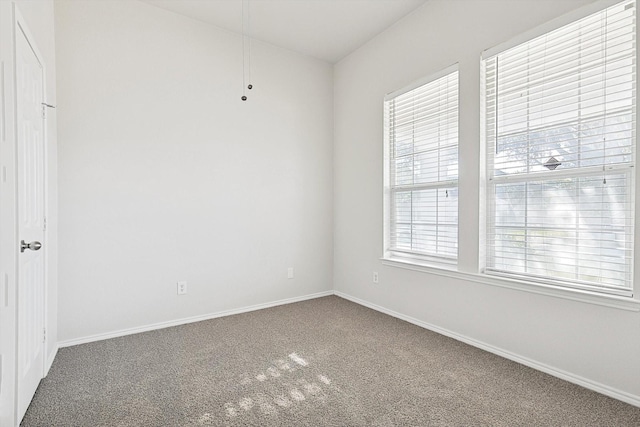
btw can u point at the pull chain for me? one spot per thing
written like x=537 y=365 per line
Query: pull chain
x=244 y=50
x=250 y=40
x=244 y=96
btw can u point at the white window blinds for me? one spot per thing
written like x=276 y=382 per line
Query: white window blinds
x=421 y=139
x=560 y=132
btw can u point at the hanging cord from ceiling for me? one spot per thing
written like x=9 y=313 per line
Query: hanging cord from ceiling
x=246 y=56
x=250 y=40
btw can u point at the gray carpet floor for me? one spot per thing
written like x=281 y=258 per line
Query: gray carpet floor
x=323 y=362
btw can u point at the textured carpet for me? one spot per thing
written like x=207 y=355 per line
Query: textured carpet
x=324 y=362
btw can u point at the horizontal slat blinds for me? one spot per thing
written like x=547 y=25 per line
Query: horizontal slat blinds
x=422 y=143
x=560 y=128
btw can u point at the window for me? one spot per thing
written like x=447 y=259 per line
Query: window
x=421 y=170
x=560 y=134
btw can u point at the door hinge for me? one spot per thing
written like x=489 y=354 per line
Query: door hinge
x=44 y=335
x=44 y=222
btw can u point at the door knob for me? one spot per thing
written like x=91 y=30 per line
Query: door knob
x=34 y=246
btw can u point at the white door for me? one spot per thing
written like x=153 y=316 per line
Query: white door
x=30 y=142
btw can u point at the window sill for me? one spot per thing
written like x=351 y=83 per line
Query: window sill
x=613 y=301
x=420 y=265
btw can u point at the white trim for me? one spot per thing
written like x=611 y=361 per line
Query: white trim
x=567 y=376
x=183 y=321
x=49 y=360
x=422 y=263
x=549 y=26
x=612 y=301
x=423 y=81
x=558 y=373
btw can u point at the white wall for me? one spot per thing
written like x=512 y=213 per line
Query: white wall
x=592 y=344
x=166 y=175
x=39 y=17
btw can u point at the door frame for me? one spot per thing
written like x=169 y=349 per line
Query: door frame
x=20 y=25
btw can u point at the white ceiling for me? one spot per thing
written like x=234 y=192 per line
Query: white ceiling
x=325 y=29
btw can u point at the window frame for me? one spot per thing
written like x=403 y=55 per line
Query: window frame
x=488 y=185
x=413 y=257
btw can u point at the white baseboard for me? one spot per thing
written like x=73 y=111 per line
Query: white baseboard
x=572 y=378
x=559 y=373
x=50 y=358
x=183 y=321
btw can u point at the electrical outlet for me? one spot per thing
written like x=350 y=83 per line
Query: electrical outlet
x=375 y=277
x=182 y=288
x=290 y=273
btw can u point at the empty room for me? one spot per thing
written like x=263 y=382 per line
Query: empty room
x=319 y=213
